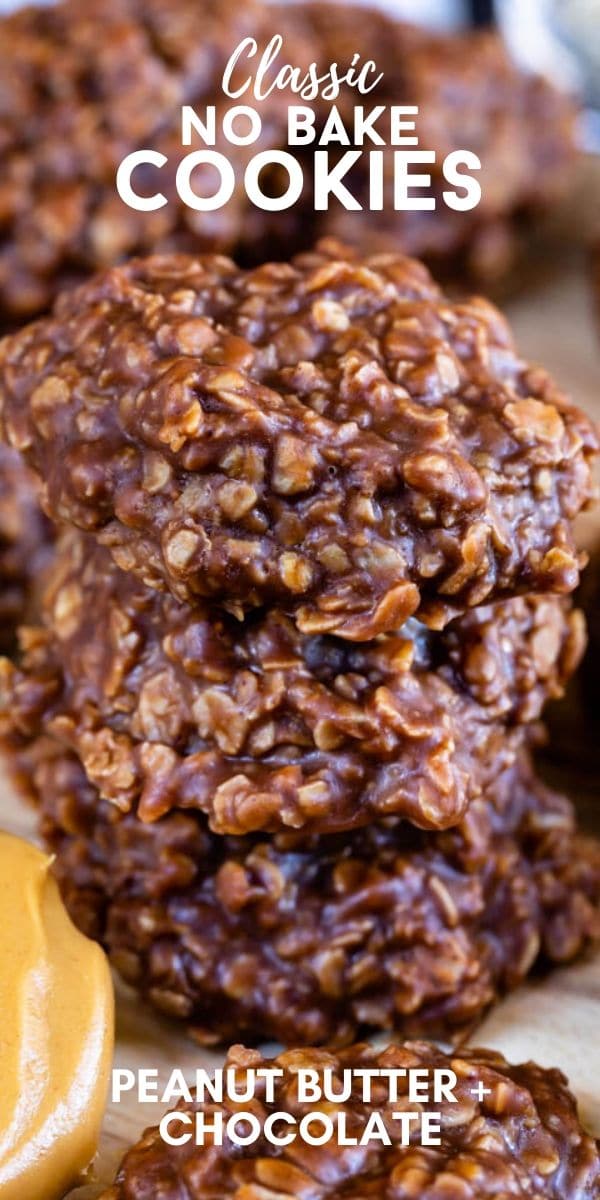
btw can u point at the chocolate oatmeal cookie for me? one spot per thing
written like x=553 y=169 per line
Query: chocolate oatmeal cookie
x=333 y=436
x=83 y=86
x=262 y=727
x=310 y=940
x=523 y=1140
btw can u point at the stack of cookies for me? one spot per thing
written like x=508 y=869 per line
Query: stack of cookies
x=311 y=596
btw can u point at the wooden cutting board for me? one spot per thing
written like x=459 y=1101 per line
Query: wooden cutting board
x=556 y=1021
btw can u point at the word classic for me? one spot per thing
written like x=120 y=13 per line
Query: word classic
x=372 y=149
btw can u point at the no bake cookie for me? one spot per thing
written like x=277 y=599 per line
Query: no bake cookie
x=332 y=435
x=310 y=940
x=82 y=87
x=262 y=727
x=522 y=1140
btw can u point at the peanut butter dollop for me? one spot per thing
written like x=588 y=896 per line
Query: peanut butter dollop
x=56 y=1032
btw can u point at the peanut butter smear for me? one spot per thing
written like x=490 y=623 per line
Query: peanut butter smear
x=56 y=1032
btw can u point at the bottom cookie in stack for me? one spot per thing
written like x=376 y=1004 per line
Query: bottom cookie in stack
x=308 y=941
x=519 y=1137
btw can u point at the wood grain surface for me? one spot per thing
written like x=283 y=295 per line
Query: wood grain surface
x=556 y=1020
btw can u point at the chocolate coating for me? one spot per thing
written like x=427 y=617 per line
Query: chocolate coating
x=333 y=436
x=309 y=941
x=262 y=727
x=523 y=1141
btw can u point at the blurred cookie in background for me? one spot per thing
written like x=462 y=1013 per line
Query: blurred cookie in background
x=82 y=88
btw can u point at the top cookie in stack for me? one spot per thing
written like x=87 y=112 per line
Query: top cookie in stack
x=331 y=435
